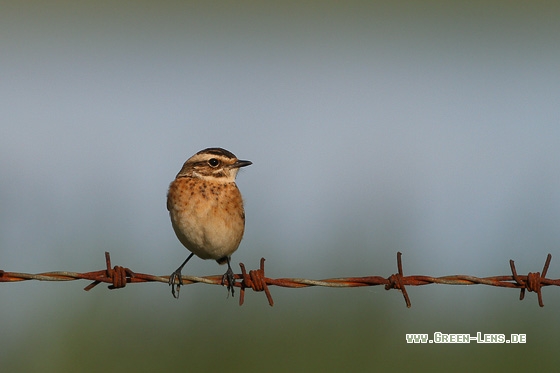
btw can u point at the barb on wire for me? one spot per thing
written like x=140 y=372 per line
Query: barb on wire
x=256 y=280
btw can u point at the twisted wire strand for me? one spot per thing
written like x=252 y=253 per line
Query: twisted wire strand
x=256 y=280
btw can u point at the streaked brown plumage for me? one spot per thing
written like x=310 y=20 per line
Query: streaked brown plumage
x=206 y=209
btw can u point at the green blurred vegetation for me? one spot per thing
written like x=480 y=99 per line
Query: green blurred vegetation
x=141 y=328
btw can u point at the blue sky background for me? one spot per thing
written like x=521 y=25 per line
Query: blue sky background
x=430 y=128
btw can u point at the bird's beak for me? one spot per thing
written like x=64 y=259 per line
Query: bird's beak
x=240 y=164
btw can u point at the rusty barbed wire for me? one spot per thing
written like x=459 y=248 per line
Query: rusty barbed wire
x=256 y=280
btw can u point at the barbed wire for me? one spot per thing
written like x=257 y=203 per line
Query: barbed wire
x=256 y=280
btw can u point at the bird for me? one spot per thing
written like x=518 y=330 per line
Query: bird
x=206 y=210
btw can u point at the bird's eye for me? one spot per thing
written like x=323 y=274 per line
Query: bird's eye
x=213 y=162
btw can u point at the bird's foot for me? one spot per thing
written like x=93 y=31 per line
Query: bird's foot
x=230 y=279
x=175 y=280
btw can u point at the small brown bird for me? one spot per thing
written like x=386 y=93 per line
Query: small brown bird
x=206 y=210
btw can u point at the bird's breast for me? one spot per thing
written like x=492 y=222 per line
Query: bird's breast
x=208 y=217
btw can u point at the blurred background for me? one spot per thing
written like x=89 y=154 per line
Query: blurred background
x=430 y=128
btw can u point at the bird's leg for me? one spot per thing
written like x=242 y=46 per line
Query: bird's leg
x=228 y=276
x=176 y=277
